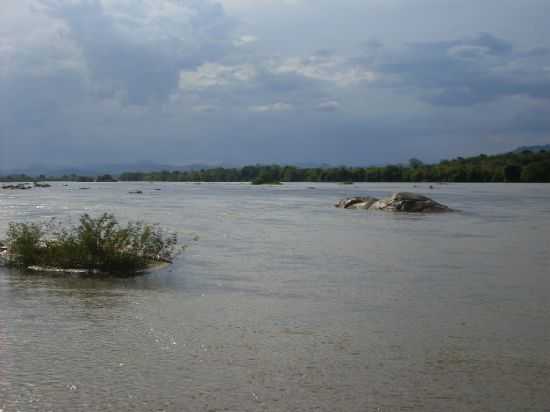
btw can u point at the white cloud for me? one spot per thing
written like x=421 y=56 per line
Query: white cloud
x=334 y=69
x=237 y=5
x=214 y=75
x=274 y=107
x=35 y=43
x=328 y=106
x=245 y=40
x=155 y=21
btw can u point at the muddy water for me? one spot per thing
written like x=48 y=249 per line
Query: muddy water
x=283 y=303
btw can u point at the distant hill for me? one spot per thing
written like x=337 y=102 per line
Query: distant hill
x=526 y=164
x=534 y=149
x=98 y=169
x=119 y=168
x=519 y=166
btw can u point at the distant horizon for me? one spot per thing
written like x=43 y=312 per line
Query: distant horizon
x=142 y=164
x=528 y=163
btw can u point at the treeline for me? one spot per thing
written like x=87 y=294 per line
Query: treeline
x=511 y=167
x=525 y=166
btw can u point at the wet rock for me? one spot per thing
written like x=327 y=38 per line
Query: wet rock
x=410 y=203
x=398 y=202
x=19 y=186
x=356 y=202
x=3 y=254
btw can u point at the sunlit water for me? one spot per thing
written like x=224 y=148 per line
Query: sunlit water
x=284 y=303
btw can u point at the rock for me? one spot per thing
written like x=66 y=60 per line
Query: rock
x=410 y=203
x=356 y=203
x=363 y=205
x=3 y=254
x=398 y=202
x=19 y=186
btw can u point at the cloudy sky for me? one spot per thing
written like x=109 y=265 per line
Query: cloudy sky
x=290 y=81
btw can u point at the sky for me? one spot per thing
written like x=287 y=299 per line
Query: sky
x=233 y=82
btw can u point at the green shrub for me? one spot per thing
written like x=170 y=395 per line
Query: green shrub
x=95 y=244
x=24 y=242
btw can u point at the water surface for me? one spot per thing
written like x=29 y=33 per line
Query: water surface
x=285 y=303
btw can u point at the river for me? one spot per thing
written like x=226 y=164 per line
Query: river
x=282 y=302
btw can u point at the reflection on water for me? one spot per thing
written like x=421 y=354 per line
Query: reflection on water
x=283 y=302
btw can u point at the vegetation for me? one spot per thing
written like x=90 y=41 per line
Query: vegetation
x=267 y=176
x=523 y=166
x=95 y=244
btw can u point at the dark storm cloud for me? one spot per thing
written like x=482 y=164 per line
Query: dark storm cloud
x=536 y=120
x=465 y=72
x=137 y=56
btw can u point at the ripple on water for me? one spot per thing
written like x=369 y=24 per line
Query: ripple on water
x=286 y=303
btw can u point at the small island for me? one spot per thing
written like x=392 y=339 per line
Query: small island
x=96 y=246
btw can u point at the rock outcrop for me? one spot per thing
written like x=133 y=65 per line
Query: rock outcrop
x=3 y=254
x=398 y=202
x=356 y=202
x=19 y=186
x=409 y=202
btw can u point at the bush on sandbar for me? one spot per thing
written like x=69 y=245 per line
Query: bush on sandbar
x=95 y=244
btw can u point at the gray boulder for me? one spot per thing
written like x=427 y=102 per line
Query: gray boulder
x=398 y=202
x=356 y=202
x=3 y=254
x=19 y=186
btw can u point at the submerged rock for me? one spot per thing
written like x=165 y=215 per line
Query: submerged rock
x=152 y=266
x=398 y=202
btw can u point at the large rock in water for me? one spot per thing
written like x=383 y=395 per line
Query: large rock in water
x=3 y=254
x=356 y=202
x=409 y=202
x=398 y=202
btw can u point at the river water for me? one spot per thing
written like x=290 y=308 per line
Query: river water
x=282 y=302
